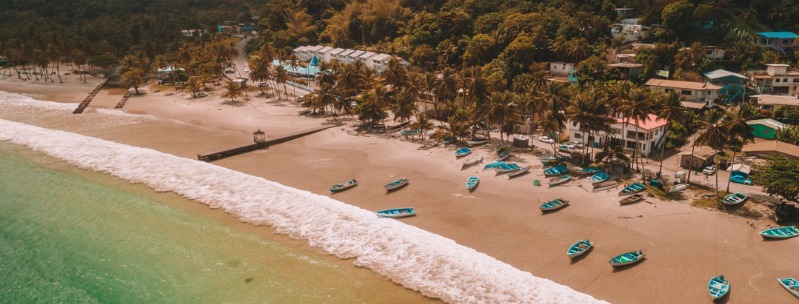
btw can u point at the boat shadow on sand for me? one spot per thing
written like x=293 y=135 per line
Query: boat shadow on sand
x=625 y=267
x=579 y=258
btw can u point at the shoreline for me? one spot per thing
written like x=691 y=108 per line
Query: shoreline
x=500 y=218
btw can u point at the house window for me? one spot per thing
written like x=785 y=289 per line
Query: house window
x=578 y=135
x=686 y=92
x=785 y=80
x=615 y=131
x=630 y=134
x=777 y=80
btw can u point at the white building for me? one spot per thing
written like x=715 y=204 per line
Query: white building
x=560 y=68
x=379 y=62
x=695 y=94
x=352 y=57
x=647 y=135
x=777 y=79
x=333 y=54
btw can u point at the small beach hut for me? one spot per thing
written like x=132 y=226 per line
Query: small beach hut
x=258 y=136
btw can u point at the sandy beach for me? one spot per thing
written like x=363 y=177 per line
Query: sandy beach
x=685 y=246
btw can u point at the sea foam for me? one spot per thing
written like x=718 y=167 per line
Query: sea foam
x=415 y=258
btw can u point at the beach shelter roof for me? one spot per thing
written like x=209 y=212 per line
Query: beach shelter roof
x=314 y=61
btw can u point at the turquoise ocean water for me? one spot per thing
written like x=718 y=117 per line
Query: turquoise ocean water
x=73 y=236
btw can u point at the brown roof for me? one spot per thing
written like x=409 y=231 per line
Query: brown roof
x=772 y=147
x=690 y=85
x=700 y=151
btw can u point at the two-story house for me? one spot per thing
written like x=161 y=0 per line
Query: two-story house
x=776 y=80
x=695 y=95
x=647 y=134
x=732 y=84
x=778 y=41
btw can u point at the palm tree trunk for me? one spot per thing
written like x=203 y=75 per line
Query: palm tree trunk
x=716 y=161
x=663 y=149
x=691 y=165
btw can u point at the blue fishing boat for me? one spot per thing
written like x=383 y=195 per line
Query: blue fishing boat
x=599 y=177
x=343 y=186
x=582 y=246
x=790 y=284
x=734 y=199
x=447 y=140
x=632 y=189
x=407 y=132
x=588 y=171
x=718 y=287
x=780 y=232
x=506 y=168
x=396 y=212
x=396 y=184
x=519 y=172
x=503 y=155
x=557 y=170
x=493 y=165
x=551 y=161
x=628 y=258
x=472 y=182
x=554 y=204
x=461 y=152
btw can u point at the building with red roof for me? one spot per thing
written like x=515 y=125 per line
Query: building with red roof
x=648 y=134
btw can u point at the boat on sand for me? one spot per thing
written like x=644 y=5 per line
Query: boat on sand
x=678 y=188
x=606 y=185
x=461 y=152
x=628 y=258
x=557 y=180
x=472 y=182
x=790 y=284
x=344 y=186
x=519 y=172
x=554 y=204
x=599 y=177
x=718 y=287
x=557 y=170
x=396 y=212
x=396 y=184
x=632 y=189
x=631 y=199
x=784 y=232
x=582 y=246
x=472 y=161
x=735 y=199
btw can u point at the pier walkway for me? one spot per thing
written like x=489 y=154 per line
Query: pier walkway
x=261 y=145
x=85 y=103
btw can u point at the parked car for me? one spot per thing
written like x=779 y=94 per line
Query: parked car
x=567 y=148
x=247 y=70
x=709 y=170
x=741 y=179
x=202 y=94
x=576 y=144
x=546 y=139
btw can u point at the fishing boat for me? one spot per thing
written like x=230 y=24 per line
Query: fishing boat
x=472 y=182
x=631 y=199
x=557 y=170
x=493 y=165
x=503 y=155
x=519 y=172
x=734 y=199
x=472 y=161
x=582 y=246
x=588 y=171
x=678 y=188
x=396 y=184
x=551 y=161
x=780 y=232
x=343 y=186
x=407 y=132
x=718 y=287
x=428 y=146
x=554 y=204
x=507 y=168
x=476 y=142
x=599 y=177
x=790 y=284
x=632 y=189
x=461 y=152
x=396 y=212
x=447 y=140
x=557 y=180
x=605 y=185
x=628 y=258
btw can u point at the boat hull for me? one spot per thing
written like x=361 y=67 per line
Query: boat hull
x=343 y=186
x=791 y=285
x=396 y=212
x=780 y=232
x=606 y=185
x=628 y=258
x=396 y=184
x=718 y=287
x=579 y=248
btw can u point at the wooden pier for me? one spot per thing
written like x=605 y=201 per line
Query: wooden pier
x=261 y=145
x=85 y=103
x=124 y=100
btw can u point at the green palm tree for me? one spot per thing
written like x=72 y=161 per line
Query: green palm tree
x=496 y=110
x=232 y=91
x=475 y=86
x=669 y=108
x=714 y=136
x=422 y=123
x=555 y=96
x=611 y=152
x=281 y=76
x=738 y=131
x=326 y=96
x=637 y=107
x=446 y=87
x=588 y=110
x=395 y=74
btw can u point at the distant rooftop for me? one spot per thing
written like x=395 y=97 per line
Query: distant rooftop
x=723 y=73
x=776 y=125
x=690 y=85
x=778 y=35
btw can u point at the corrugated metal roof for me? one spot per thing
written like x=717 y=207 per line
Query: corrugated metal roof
x=778 y=35
x=682 y=84
x=723 y=73
x=776 y=125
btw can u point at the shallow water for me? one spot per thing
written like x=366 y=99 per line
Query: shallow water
x=72 y=236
